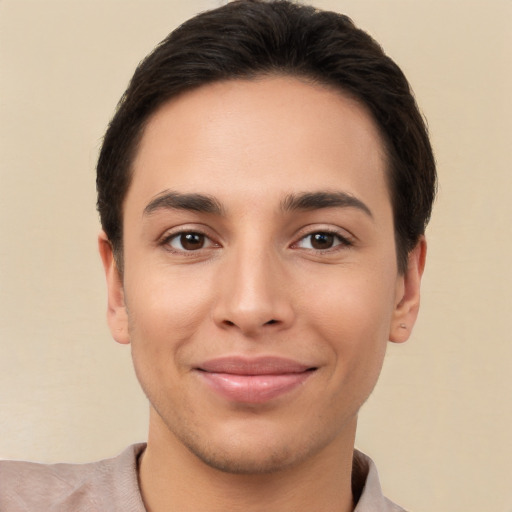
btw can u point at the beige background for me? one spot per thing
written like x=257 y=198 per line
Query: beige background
x=439 y=424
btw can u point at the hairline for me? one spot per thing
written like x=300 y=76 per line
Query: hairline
x=305 y=77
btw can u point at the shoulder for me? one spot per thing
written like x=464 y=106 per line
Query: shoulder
x=366 y=486
x=109 y=484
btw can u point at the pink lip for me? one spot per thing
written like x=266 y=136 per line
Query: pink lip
x=253 y=380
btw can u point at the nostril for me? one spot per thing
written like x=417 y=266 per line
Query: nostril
x=244 y=326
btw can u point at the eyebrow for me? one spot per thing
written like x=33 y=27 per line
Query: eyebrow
x=179 y=201
x=292 y=202
x=318 y=200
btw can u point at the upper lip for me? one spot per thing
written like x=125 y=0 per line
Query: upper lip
x=263 y=365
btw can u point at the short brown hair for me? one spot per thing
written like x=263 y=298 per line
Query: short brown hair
x=249 y=38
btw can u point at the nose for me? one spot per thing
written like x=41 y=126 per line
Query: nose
x=254 y=293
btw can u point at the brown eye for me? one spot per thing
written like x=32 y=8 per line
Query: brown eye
x=322 y=240
x=188 y=241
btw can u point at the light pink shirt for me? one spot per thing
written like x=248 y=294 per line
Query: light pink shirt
x=111 y=485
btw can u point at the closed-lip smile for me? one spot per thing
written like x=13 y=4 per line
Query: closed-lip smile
x=253 y=379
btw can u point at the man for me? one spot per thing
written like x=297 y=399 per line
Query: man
x=263 y=189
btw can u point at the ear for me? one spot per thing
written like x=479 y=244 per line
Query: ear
x=407 y=301
x=117 y=316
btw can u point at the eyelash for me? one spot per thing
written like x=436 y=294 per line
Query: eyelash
x=343 y=241
x=167 y=240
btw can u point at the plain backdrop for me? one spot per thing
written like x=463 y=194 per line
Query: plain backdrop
x=439 y=423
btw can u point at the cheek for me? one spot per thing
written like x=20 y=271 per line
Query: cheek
x=165 y=309
x=165 y=312
x=358 y=304
x=353 y=317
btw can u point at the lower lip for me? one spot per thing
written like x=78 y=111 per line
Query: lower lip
x=253 y=389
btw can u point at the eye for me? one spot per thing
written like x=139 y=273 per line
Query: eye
x=322 y=240
x=188 y=241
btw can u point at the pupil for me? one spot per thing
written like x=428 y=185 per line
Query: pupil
x=322 y=240
x=192 y=241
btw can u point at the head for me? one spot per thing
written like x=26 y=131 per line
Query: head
x=263 y=188
x=247 y=39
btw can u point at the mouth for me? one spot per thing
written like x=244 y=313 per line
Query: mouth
x=254 y=380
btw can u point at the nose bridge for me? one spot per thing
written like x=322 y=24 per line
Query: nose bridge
x=253 y=291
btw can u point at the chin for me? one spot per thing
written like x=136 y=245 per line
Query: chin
x=257 y=448
x=247 y=460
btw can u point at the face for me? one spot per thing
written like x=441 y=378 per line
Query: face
x=260 y=283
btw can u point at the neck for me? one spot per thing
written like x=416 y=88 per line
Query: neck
x=172 y=478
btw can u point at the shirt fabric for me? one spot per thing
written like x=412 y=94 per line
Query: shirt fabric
x=112 y=485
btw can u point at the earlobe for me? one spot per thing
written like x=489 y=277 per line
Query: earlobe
x=117 y=316
x=408 y=295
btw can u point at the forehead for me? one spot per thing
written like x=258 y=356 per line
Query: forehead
x=252 y=137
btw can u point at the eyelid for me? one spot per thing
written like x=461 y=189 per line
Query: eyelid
x=172 y=233
x=346 y=238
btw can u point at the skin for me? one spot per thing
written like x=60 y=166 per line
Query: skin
x=259 y=285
